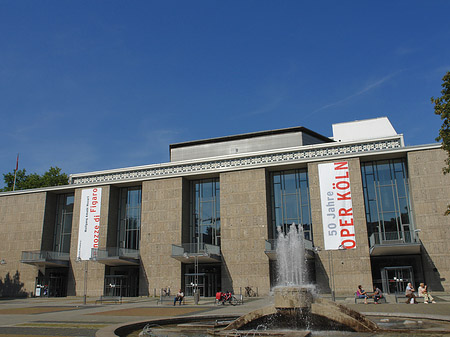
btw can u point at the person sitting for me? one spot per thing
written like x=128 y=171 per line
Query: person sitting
x=179 y=297
x=409 y=293
x=423 y=292
x=218 y=297
x=361 y=293
x=377 y=294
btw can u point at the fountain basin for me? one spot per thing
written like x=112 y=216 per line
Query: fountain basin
x=293 y=297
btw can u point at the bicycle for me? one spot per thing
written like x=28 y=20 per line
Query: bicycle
x=249 y=292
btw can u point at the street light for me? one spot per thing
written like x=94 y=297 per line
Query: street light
x=195 y=284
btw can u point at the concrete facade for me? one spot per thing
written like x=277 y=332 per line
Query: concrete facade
x=244 y=230
x=431 y=194
x=341 y=267
x=245 y=256
x=22 y=219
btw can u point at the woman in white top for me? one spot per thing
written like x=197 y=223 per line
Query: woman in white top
x=424 y=293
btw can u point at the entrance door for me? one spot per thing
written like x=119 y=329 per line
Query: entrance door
x=52 y=284
x=208 y=280
x=122 y=281
x=395 y=279
x=115 y=285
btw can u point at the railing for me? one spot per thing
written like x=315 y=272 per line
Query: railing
x=393 y=238
x=271 y=245
x=104 y=253
x=42 y=255
x=195 y=248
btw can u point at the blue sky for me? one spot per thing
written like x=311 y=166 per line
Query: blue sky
x=93 y=85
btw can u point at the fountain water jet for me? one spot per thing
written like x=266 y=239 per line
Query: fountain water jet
x=291 y=261
x=295 y=305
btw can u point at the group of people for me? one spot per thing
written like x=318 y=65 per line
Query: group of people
x=223 y=297
x=422 y=292
x=377 y=294
x=409 y=293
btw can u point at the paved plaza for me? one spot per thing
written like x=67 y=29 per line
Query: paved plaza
x=70 y=317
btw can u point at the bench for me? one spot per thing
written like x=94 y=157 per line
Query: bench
x=402 y=297
x=170 y=299
x=361 y=300
x=114 y=299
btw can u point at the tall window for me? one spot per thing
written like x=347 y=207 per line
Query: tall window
x=129 y=227
x=63 y=225
x=290 y=201
x=205 y=206
x=386 y=197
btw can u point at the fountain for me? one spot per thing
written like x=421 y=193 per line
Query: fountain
x=296 y=310
x=295 y=305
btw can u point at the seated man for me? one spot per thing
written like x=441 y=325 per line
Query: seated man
x=409 y=293
x=377 y=294
x=179 y=297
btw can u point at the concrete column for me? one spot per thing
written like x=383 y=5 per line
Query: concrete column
x=96 y=271
x=430 y=195
x=351 y=267
x=243 y=212
x=161 y=226
x=21 y=220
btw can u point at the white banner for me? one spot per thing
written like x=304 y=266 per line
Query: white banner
x=88 y=233
x=336 y=201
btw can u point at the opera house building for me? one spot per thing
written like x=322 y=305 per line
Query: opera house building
x=371 y=209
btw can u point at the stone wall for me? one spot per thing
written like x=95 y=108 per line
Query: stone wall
x=161 y=226
x=349 y=267
x=243 y=211
x=21 y=223
x=430 y=194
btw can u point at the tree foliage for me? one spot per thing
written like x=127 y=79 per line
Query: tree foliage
x=53 y=177
x=442 y=109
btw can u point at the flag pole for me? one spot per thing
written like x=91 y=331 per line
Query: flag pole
x=15 y=172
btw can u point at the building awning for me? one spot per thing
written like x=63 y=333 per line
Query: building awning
x=47 y=259
x=394 y=243
x=115 y=256
x=196 y=253
x=395 y=249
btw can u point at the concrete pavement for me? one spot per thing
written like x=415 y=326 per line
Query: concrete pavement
x=69 y=317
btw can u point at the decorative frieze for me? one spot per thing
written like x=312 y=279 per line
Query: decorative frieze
x=288 y=156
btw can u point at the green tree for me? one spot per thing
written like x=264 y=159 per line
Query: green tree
x=53 y=177
x=442 y=109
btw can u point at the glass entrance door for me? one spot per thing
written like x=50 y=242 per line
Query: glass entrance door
x=208 y=277
x=115 y=285
x=395 y=279
x=52 y=284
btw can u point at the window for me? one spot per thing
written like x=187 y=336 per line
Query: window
x=290 y=201
x=63 y=225
x=205 y=212
x=129 y=227
x=386 y=198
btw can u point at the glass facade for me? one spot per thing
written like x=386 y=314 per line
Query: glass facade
x=63 y=225
x=290 y=201
x=386 y=197
x=205 y=212
x=129 y=228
